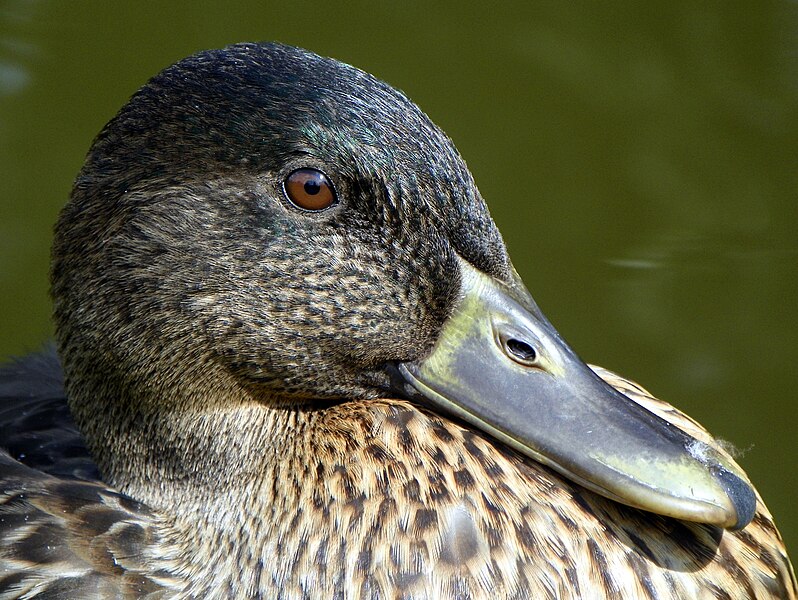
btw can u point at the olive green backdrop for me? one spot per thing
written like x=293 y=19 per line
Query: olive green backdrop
x=640 y=160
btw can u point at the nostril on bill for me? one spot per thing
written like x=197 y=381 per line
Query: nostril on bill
x=520 y=351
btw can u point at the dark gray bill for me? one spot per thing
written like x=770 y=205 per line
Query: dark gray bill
x=501 y=366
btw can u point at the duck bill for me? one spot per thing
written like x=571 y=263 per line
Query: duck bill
x=501 y=366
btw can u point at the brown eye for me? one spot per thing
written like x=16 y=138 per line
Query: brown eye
x=309 y=189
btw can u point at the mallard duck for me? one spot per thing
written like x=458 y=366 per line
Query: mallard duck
x=298 y=363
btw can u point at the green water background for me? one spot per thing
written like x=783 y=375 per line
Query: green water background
x=640 y=160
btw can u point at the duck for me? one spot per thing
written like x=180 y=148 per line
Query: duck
x=293 y=360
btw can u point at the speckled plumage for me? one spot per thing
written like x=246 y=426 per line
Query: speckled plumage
x=379 y=499
x=228 y=362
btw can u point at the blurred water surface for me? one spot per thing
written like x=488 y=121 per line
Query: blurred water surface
x=639 y=159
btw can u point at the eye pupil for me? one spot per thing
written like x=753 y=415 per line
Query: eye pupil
x=312 y=187
x=309 y=189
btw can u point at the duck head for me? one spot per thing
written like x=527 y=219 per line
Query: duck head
x=262 y=225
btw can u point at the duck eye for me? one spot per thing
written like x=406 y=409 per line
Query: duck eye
x=309 y=189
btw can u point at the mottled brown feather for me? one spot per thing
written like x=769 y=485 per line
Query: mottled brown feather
x=382 y=499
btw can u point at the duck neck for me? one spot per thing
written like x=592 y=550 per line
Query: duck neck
x=177 y=447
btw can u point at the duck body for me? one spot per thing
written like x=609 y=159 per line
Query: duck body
x=262 y=398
